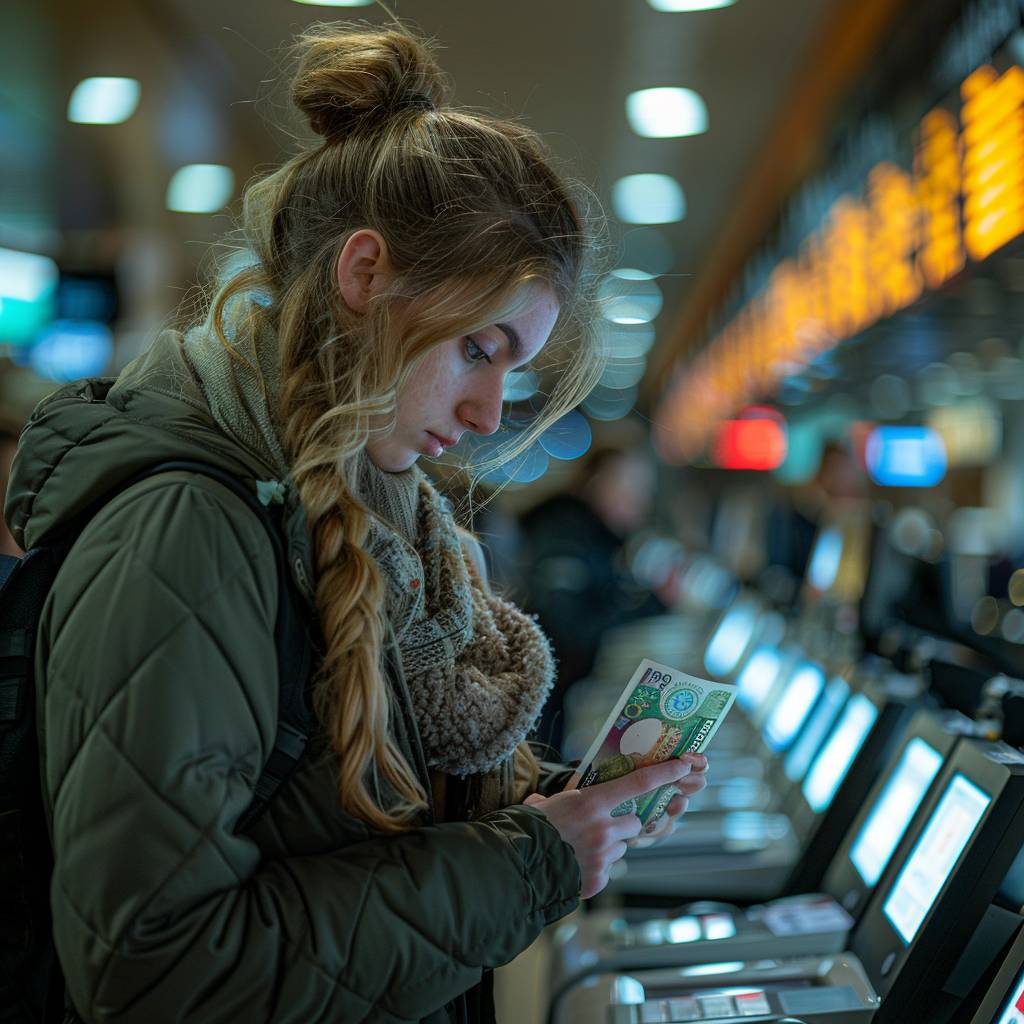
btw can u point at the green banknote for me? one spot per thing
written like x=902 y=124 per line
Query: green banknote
x=662 y=713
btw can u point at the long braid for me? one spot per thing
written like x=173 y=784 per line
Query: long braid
x=351 y=696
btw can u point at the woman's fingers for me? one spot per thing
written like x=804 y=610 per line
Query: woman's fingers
x=691 y=784
x=585 y=822
x=678 y=806
x=624 y=826
x=608 y=795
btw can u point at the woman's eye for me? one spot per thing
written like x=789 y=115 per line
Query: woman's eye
x=474 y=353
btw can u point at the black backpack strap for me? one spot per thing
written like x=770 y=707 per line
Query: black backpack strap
x=294 y=639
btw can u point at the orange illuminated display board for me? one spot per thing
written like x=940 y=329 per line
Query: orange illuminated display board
x=873 y=256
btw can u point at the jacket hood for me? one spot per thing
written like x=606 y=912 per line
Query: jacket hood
x=84 y=439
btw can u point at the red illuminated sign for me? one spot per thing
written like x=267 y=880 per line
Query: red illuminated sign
x=751 y=444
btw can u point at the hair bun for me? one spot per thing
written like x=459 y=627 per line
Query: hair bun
x=348 y=78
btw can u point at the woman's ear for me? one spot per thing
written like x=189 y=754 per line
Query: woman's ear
x=364 y=268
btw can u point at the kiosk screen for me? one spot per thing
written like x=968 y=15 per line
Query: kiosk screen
x=1013 y=1009
x=758 y=677
x=795 y=705
x=893 y=810
x=730 y=639
x=949 y=830
x=835 y=757
x=799 y=757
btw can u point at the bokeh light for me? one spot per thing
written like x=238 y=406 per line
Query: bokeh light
x=648 y=199
x=666 y=113
x=623 y=373
x=568 y=437
x=521 y=385
x=69 y=349
x=103 y=100
x=610 y=403
x=200 y=188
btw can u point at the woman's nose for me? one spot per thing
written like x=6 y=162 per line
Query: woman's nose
x=481 y=411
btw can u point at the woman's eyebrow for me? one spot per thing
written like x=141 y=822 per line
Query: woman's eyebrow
x=512 y=335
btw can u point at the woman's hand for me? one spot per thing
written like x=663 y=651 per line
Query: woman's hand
x=666 y=823
x=584 y=820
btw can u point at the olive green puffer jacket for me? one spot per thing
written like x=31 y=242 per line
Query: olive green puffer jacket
x=157 y=709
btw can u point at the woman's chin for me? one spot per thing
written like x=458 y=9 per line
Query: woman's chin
x=394 y=460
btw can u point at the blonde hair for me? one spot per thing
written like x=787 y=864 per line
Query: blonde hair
x=471 y=212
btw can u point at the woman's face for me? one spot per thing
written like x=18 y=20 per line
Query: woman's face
x=458 y=386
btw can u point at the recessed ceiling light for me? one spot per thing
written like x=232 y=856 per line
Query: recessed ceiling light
x=666 y=113
x=200 y=188
x=335 y=3
x=689 y=5
x=648 y=199
x=103 y=100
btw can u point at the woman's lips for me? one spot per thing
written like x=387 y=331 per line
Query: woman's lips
x=435 y=445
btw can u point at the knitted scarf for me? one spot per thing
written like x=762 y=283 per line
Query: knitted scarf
x=478 y=669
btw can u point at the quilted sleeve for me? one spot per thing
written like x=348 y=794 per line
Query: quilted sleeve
x=158 y=707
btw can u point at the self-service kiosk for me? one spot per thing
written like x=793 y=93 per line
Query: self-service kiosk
x=922 y=920
x=791 y=926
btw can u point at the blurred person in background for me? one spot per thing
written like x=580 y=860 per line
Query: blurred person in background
x=402 y=265
x=575 y=572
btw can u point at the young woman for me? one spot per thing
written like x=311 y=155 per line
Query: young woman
x=401 y=268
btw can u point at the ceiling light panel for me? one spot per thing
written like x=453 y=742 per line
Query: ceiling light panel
x=648 y=199
x=674 y=6
x=666 y=113
x=200 y=188
x=103 y=100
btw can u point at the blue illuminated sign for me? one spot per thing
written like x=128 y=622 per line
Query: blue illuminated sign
x=905 y=456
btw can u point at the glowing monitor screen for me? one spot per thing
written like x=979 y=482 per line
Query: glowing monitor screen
x=824 y=564
x=758 y=677
x=730 y=639
x=894 y=808
x=792 y=709
x=834 y=759
x=934 y=856
x=1013 y=1009
x=798 y=760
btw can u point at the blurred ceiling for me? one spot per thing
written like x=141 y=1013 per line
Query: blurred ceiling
x=93 y=196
